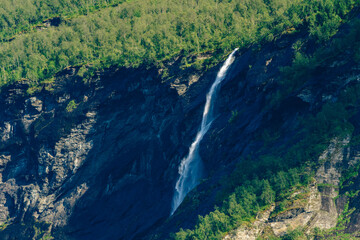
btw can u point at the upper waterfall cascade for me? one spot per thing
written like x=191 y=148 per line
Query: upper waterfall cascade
x=190 y=169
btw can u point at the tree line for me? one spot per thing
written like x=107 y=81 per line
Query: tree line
x=149 y=32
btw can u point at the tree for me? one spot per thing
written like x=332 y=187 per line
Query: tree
x=268 y=195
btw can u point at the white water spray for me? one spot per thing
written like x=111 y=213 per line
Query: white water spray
x=190 y=168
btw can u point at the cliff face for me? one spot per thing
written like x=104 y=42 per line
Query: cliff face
x=99 y=166
x=98 y=159
x=246 y=110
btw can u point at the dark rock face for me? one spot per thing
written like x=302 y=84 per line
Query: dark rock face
x=106 y=169
x=130 y=161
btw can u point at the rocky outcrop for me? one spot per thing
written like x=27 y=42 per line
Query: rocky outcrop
x=33 y=176
x=253 y=231
x=312 y=207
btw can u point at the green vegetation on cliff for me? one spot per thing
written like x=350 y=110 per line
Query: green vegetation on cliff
x=150 y=32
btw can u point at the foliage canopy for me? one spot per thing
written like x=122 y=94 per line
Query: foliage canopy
x=148 y=32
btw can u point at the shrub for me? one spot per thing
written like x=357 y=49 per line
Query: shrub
x=71 y=106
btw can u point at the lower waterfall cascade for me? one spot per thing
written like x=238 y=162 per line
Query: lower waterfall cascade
x=190 y=169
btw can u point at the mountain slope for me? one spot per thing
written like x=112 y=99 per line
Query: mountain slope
x=95 y=154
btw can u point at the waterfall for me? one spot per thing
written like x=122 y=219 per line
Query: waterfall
x=190 y=168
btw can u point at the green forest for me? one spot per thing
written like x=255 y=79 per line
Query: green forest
x=22 y=16
x=103 y=34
